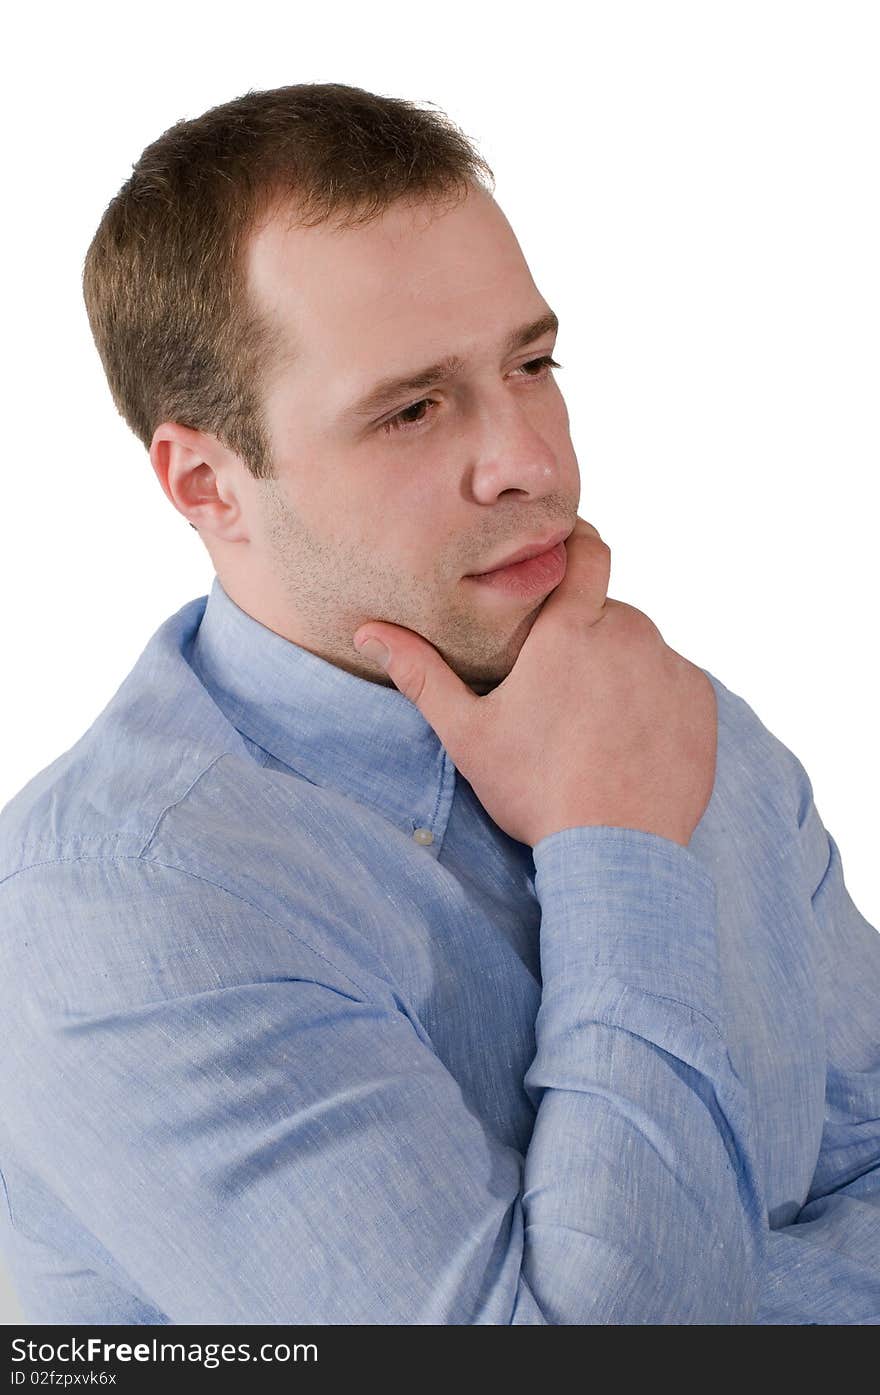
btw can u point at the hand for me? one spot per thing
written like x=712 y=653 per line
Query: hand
x=598 y=721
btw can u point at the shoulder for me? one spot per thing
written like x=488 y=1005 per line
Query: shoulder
x=98 y=936
x=767 y=780
x=159 y=854
x=216 y=874
x=154 y=737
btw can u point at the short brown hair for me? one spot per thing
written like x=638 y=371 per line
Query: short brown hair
x=164 y=275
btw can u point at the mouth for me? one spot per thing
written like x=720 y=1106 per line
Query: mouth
x=526 y=553
x=520 y=582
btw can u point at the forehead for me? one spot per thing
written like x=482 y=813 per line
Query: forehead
x=409 y=279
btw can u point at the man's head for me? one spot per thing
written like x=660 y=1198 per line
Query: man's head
x=265 y=267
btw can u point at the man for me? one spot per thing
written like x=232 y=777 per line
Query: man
x=516 y=983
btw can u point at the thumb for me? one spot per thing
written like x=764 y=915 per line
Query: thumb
x=419 y=672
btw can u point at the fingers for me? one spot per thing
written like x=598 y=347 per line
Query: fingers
x=422 y=675
x=585 y=529
x=587 y=572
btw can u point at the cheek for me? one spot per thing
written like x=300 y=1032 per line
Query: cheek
x=407 y=529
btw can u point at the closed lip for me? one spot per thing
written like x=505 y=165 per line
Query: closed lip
x=532 y=549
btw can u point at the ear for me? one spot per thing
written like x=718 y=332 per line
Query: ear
x=199 y=477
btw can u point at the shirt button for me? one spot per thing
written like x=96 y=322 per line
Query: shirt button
x=424 y=836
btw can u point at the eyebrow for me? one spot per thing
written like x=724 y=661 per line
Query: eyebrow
x=388 y=391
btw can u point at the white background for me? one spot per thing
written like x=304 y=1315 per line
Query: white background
x=695 y=188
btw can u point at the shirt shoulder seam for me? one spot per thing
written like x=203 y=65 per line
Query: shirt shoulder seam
x=218 y=886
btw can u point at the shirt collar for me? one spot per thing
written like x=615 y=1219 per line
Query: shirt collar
x=365 y=740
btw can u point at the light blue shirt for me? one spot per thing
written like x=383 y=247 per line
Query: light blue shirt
x=296 y=1034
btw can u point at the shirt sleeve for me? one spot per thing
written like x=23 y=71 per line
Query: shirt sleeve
x=824 y=1267
x=257 y=1138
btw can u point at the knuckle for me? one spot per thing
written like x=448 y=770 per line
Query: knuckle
x=643 y=623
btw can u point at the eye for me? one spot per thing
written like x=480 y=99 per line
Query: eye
x=402 y=422
x=540 y=363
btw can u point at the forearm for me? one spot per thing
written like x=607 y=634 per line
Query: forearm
x=641 y=1196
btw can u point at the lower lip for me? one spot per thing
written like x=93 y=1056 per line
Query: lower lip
x=525 y=578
